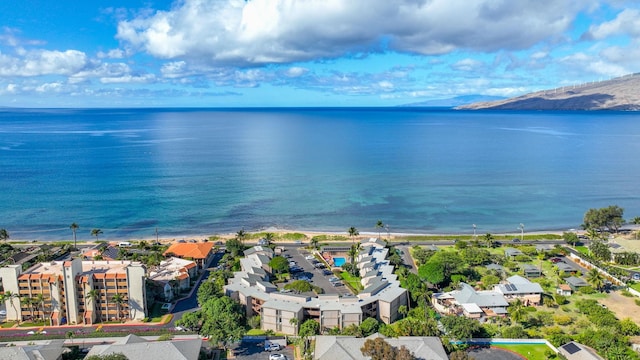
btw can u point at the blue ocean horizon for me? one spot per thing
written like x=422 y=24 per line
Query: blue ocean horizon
x=211 y=171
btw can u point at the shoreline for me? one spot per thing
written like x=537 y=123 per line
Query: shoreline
x=278 y=231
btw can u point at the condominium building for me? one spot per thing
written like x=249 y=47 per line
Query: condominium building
x=76 y=291
x=282 y=312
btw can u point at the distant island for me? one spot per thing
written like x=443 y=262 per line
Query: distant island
x=619 y=94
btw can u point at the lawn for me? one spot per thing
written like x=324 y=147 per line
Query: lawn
x=635 y=286
x=583 y=249
x=529 y=351
x=352 y=281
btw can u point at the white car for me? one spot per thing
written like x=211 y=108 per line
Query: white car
x=31 y=332
x=277 y=357
x=310 y=257
x=3 y=312
x=334 y=279
x=272 y=347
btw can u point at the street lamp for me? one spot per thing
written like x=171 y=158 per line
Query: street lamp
x=521 y=227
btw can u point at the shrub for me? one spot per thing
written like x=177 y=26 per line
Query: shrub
x=563 y=319
x=560 y=299
x=587 y=290
x=626 y=293
x=637 y=301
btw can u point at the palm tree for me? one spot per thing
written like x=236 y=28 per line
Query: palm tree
x=314 y=243
x=73 y=228
x=240 y=236
x=353 y=232
x=8 y=295
x=353 y=252
x=96 y=233
x=517 y=311
x=94 y=297
x=119 y=300
x=488 y=239
x=27 y=301
x=294 y=322
x=595 y=279
x=269 y=238
x=4 y=234
x=593 y=234
x=38 y=303
x=379 y=225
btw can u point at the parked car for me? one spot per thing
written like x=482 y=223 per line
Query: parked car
x=310 y=257
x=636 y=276
x=277 y=357
x=272 y=347
x=292 y=263
x=334 y=279
x=326 y=272
x=555 y=260
x=3 y=312
x=515 y=240
x=337 y=283
x=319 y=266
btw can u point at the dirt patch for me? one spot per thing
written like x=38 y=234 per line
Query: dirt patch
x=622 y=306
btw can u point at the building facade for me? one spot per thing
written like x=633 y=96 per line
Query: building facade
x=75 y=292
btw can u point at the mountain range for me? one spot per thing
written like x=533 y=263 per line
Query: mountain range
x=622 y=93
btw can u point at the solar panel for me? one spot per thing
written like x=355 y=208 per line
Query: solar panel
x=513 y=287
x=571 y=348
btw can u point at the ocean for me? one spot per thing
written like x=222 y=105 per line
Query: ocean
x=209 y=171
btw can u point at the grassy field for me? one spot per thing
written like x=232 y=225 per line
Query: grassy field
x=529 y=351
x=352 y=281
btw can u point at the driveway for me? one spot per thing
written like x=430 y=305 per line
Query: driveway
x=254 y=350
x=494 y=354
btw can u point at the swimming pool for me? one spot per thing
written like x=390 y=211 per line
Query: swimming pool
x=339 y=261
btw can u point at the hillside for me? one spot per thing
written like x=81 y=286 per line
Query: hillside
x=621 y=93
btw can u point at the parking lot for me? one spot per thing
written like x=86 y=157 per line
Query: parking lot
x=253 y=349
x=316 y=276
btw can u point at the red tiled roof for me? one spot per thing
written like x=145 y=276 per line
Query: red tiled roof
x=190 y=250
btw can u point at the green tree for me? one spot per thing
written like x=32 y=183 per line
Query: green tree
x=378 y=349
x=609 y=218
x=96 y=233
x=4 y=235
x=118 y=299
x=294 y=322
x=379 y=227
x=517 y=311
x=489 y=240
x=223 y=320
x=570 y=238
x=268 y=237
x=279 y=264
x=241 y=235
x=309 y=328
x=369 y=326
x=353 y=232
x=28 y=302
x=314 y=242
x=299 y=286
x=432 y=272
x=235 y=247
x=193 y=321
x=460 y=327
x=595 y=279
x=94 y=296
x=600 y=250
x=69 y=335
x=353 y=253
x=208 y=290
x=74 y=227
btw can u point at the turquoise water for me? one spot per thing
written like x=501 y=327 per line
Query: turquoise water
x=212 y=171
x=339 y=261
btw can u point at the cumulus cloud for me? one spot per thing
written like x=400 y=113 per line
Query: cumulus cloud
x=42 y=62
x=257 y=32
x=627 y=22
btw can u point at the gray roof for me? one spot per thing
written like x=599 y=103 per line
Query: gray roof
x=576 y=282
x=377 y=285
x=50 y=351
x=565 y=267
x=495 y=267
x=512 y=252
x=348 y=347
x=156 y=350
x=468 y=295
x=529 y=267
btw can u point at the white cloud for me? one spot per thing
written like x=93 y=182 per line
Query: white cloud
x=42 y=62
x=111 y=54
x=627 y=22
x=468 y=65
x=238 y=32
x=129 y=78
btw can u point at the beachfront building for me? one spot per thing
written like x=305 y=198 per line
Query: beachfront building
x=173 y=275
x=199 y=252
x=380 y=299
x=488 y=303
x=76 y=291
x=518 y=288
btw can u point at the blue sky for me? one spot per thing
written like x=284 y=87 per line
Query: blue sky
x=220 y=53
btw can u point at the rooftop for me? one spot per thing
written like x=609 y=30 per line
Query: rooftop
x=190 y=250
